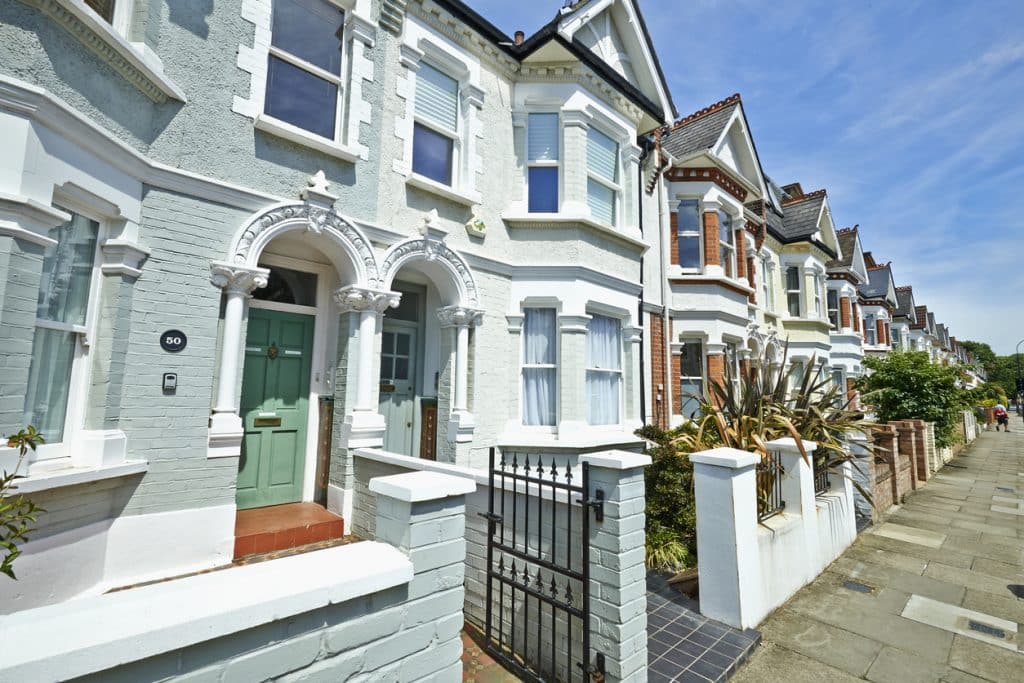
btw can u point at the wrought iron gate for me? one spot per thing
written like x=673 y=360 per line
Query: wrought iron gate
x=538 y=568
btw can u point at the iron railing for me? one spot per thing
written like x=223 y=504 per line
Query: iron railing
x=538 y=568
x=769 y=486
x=822 y=483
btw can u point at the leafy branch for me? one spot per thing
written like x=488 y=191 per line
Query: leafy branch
x=17 y=512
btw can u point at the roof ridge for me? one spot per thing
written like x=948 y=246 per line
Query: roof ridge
x=701 y=113
x=905 y=288
x=879 y=266
x=846 y=231
x=805 y=196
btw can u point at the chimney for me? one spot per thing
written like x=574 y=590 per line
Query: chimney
x=520 y=36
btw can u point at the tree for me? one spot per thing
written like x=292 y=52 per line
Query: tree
x=908 y=386
x=983 y=353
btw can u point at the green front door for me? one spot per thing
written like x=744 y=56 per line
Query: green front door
x=274 y=407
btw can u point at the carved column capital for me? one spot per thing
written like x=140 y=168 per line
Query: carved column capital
x=359 y=299
x=237 y=279
x=459 y=316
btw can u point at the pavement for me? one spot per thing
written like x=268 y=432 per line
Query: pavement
x=935 y=592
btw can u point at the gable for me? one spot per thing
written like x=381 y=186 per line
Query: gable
x=858 y=264
x=615 y=33
x=736 y=151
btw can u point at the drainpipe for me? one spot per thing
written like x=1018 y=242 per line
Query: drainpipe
x=645 y=150
x=666 y=327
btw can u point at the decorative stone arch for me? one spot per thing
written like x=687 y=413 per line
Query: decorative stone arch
x=431 y=248
x=316 y=218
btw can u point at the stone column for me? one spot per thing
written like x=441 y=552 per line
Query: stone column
x=618 y=574
x=460 y=421
x=238 y=283
x=423 y=514
x=632 y=338
x=798 y=485
x=725 y=488
x=572 y=379
x=364 y=426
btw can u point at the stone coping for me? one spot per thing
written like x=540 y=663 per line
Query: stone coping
x=92 y=634
x=413 y=487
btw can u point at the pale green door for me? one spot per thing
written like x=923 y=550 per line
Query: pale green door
x=274 y=407
x=398 y=385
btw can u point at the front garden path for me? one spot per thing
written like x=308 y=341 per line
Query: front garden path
x=935 y=592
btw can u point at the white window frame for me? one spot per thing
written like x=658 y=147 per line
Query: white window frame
x=727 y=247
x=620 y=372
x=81 y=367
x=828 y=306
x=545 y=163
x=817 y=295
x=870 y=330
x=690 y=234
x=693 y=379
x=799 y=291
x=523 y=365
x=616 y=186
x=732 y=357
x=768 y=283
x=455 y=135
x=278 y=125
x=896 y=337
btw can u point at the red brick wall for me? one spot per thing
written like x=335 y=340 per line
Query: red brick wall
x=716 y=371
x=851 y=392
x=750 y=280
x=890 y=489
x=675 y=375
x=658 y=410
x=741 y=254
x=909 y=449
x=920 y=429
x=712 y=257
x=880 y=331
x=844 y=312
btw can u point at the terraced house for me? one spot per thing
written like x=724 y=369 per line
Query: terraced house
x=846 y=273
x=243 y=238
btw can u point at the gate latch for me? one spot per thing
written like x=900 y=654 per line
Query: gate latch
x=596 y=504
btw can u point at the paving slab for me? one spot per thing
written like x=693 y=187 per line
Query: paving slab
x=965 y=622
x=987 y=661
x=939 y=579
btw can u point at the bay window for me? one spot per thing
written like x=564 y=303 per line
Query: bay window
x=304 y=85
x=726 y=243
x=833 y=308
x=604 y=370
x=870 y=329
x=542 y=153
x=61 y=318
x=540 y=366
x=602 y=176
x=691 y=365
x=793 y=290
x=435 y=131
x=688 y=234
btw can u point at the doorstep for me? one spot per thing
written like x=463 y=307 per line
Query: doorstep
x=281 y=527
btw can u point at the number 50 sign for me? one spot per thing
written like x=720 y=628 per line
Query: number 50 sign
x=173 y=341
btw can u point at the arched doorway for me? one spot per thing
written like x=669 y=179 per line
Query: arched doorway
x=426 y=346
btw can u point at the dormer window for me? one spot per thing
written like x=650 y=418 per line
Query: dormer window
x=543 y=141
x=435 y=132
x=602 y=176
x=304 y=87
x=727 y=243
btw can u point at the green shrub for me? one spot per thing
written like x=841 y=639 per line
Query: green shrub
x=16 y=511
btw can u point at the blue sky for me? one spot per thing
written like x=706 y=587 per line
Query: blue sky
x=909 y=113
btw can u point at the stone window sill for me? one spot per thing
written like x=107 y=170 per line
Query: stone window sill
x=630 y=236
x=140 y=69
x=278 y=128
x=427 y=185
x=733 y=283
x=614 y=437
x=72 y=476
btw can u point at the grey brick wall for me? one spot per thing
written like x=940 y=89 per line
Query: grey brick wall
x=20 y=266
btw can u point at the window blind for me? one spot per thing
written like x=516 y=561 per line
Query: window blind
x=437 y=97
x=602 y=156
x=542 y=137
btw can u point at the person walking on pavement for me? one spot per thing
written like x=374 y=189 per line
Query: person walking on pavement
x=1002 y=417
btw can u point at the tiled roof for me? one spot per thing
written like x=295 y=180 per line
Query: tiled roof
x=905 y=302
x=877 y=286
x=700 y=130
x=921 y=313
x=800 y=215
x=847 y=245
